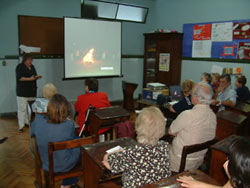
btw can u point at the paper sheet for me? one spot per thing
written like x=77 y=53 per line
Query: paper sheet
x=201 y=48
x=114 y=149
x=217 y=69
x=29 y=49
x=222 y=31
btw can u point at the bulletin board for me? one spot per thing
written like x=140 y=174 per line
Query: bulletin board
x=217 y=40
x=42 y=32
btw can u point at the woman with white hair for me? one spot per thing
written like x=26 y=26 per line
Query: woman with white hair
x=40 y=104
x=148 y=161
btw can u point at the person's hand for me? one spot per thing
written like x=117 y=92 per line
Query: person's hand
x=188 y=181
x=32 y=78
x=38 y=77
x=105 y=161
x=225 y=165
x=215 y=102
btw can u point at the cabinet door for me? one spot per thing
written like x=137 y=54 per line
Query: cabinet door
x=150 y=61
x=173 y=47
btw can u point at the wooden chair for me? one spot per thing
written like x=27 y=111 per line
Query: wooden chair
x=128 y=95
x=78 y=170
x=40 y=181
x=192 y=149
x=31 y=114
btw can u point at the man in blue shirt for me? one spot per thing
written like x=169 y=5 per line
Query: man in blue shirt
x=225 y=95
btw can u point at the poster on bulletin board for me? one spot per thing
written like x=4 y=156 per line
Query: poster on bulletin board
x=219 y=40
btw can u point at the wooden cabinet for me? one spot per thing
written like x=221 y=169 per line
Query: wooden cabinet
x=164 y=46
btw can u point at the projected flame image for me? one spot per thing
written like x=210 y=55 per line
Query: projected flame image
x=89 y=57
x=92 y=48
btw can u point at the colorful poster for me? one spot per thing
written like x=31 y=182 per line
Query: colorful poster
x=222 y=32
x=201 y=48
x=164 y=62
x=243 y=50
x=202 y=32
x=241 y=30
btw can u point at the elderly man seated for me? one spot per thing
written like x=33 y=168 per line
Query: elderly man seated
x=225 y=95
x=193 y=126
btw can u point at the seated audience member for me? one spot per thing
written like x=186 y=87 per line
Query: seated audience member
x=193 y=126
x=206 y=77
x=215 y=81
x=148 y=161
x=185 y=103
x=93 y=98
x=242 y=91
x=40 y=104
x=56 y=127
x=225 y=95
x=237 y=168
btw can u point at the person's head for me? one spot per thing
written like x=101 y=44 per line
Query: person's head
x=49 y=90
x=225 y=80
x=239 y=163
x=202 y=93
x=150 y=126
x=240 y=81
x=27 y=59
x=215 y=77
x=91 y=84
x=206 y=77
x=58 y=109
x=187 y=86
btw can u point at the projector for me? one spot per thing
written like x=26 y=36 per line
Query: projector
x=156 y=86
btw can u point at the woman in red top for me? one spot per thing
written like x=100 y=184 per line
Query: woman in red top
x=93 y=98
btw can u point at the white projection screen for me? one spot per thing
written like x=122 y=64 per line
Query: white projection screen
x=92 y=48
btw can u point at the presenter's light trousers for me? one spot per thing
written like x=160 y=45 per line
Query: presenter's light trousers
x=22 y=111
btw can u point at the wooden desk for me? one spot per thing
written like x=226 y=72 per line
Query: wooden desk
x=95 y=171
x=244 y=109
x=106 y=117
x=219 y=156
x=248 y=102
x=145 y=103
x=167 y=113
x=229 y=123
x=172 y=182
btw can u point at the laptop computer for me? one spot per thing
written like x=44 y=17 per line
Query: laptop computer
x=175 y=92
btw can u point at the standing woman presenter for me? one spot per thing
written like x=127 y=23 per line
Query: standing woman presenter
x=26 y=87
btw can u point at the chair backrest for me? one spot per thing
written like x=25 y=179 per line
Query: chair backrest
x=54 y=146
x=192 y=149
x=30 y=112
x=128 y=93
x=39 y=172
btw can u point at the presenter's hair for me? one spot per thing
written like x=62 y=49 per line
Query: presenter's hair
x=26 y=56
x=58 y=109
x=92 y=84
x=239 y=163
x=49 y=90
x=187 y=86
x=150 y=126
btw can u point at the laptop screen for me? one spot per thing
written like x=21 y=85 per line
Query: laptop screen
x=175 y=92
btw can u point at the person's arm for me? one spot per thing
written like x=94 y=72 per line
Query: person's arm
x=189 y=182
x=179 y=123
x=172 y=109
x=32 y=78
x=117 y=161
